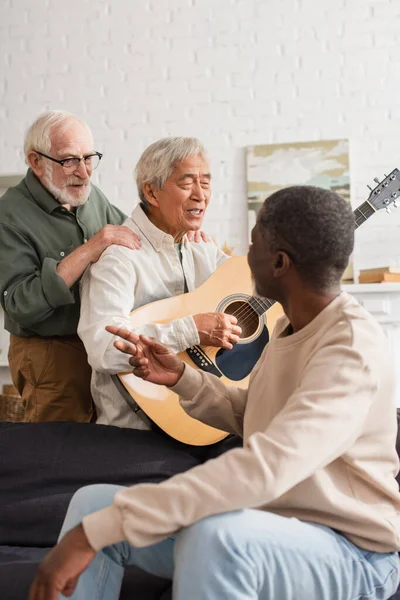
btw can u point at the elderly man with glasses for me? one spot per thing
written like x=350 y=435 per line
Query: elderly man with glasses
x=53 y=224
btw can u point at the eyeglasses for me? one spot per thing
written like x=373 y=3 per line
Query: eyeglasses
x=70 y=165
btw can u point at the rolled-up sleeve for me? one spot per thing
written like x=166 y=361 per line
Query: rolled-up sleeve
x=30 y=291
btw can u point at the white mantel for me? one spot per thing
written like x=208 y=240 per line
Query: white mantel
x=382 y=300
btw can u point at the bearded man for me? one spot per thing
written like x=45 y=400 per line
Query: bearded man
x=53 y=224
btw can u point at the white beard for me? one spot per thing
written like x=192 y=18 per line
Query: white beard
x=61 y=194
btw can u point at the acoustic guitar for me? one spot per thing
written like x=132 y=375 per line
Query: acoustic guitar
x=228 y=290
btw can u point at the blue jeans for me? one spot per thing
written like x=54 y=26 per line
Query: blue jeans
x=243 y=555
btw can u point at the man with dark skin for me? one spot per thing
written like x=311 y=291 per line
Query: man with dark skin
x=309 y=507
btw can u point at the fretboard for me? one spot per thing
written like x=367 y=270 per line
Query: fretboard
x=363 y=212
x=260 y=305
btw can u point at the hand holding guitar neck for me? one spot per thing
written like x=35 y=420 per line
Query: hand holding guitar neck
x=219 y=330
x=151 y=360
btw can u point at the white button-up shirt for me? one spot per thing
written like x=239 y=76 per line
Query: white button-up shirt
x=122 y=280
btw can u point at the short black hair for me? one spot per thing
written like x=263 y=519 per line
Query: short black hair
x=316 y=228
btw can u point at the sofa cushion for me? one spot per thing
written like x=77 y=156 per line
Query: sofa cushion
x=43 y=464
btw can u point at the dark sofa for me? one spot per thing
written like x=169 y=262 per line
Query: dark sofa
x=43 y=464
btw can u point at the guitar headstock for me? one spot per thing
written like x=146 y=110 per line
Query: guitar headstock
x=387 y=192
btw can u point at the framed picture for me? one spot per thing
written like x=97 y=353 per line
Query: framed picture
x=272 y=167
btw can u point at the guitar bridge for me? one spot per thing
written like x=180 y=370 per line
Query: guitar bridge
x=201 y=360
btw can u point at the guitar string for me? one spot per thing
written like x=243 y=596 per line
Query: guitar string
x=248 y=312
x=247 y=309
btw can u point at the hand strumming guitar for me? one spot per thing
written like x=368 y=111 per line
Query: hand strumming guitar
x=151 y=360
x=217 y=329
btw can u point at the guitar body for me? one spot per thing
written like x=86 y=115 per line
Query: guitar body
x=228 y=290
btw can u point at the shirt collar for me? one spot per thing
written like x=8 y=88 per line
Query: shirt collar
x=156 y=236
x=41 y=195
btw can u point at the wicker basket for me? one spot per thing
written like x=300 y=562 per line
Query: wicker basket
x=11 y=408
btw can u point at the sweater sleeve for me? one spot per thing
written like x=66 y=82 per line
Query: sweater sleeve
x=206 y=398
x=107 y=298
x=326 y=412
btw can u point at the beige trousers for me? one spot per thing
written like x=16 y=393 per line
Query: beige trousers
x=53 y=377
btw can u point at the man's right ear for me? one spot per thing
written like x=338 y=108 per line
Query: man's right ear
x=36 y=163
x=150 y=194
x=281 y=264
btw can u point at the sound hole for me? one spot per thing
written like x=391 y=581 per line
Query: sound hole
x=247 y=317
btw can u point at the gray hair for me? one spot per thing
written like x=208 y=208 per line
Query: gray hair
x=38 y=135
x=159 y=159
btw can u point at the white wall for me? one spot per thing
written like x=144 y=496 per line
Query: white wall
x=232 y=72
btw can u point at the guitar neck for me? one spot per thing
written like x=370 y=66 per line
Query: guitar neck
x=361 y=214
x=261 y=305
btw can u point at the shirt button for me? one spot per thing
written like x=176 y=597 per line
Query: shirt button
x=5 y=293
x=84 y=241
x=62 y=253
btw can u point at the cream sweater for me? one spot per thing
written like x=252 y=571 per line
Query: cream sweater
x=319 y=429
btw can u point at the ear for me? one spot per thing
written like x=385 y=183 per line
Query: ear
x=282 y=263
x=150 y=194
x=35 y=162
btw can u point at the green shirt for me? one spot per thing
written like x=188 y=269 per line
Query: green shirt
x=36 y=233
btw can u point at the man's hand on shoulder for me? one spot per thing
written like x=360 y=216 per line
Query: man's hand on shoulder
x=197 y=236
x=109 y=235
x=73 y=265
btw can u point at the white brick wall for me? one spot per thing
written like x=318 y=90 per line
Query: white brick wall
x=233 y=72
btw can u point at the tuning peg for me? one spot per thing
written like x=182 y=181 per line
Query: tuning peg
x=376 y=180
x=388 y=210
x=369 y=187
x=396 y=204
